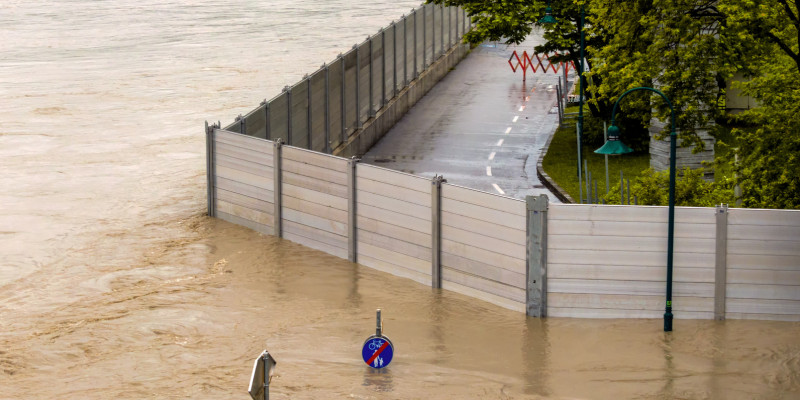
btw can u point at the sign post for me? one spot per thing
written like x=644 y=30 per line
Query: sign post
x=378 y=350
x=263 y=369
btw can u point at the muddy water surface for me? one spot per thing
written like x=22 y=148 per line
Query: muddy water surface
x=113 y=283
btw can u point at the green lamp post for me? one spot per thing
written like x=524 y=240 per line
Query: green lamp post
x=549 y=19
x=615 y=146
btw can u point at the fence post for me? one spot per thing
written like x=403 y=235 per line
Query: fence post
x=277 y=214
x=308 y=112
x=433 y=34
x=466 y=17
x=424 y=38
x=394 y=61
x=352 y=249
x=405 y=52
x=721 y=262
x=327 y=109
x=383 y=69
x=441 y=36
x=436 y=231
x=449 y=27
x=415 y=44
x=370 y=102
x=536 y=257
x=210 y=173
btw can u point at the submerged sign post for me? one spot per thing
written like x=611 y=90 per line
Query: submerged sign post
x=378 y=350
x=263 y=369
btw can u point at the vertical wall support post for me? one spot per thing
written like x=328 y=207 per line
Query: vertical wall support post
x=308 y=112
x=344 y=97
x=436 y=231
x=358 y=87
x=370 y=102
x=277 y=191
x=536 y=271
x=210 y=170
x=352 y=250
x=266 y=124
x=327 y=110
x=242 y=124
x=288 y=115
x=721 y=264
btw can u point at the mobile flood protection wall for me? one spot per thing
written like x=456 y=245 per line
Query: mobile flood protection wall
x=562 y=260
x=347 y=105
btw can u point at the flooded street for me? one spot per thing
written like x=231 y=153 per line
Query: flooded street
x=114 y=283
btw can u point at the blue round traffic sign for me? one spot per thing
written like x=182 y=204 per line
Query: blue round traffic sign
x=377 y=351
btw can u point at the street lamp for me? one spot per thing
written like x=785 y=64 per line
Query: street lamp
x=615 y=146
x=549 y=19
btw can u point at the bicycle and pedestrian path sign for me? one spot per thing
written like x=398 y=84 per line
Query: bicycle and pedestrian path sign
x=378 y=350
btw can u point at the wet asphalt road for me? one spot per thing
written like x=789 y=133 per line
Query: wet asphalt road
x=481 y=127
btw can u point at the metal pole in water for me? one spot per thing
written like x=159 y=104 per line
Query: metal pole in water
x=266 y=377
x=379 y=325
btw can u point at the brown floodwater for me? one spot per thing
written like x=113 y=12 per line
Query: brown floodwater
x=114 y=284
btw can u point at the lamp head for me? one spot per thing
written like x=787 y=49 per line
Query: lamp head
x=613 y=145
x=548 y=16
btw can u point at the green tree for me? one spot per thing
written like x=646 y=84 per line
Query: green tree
x=768 y=136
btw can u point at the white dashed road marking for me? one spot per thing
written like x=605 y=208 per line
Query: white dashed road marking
x=516 y=118
x=498 y=189
x=500 y=142
x=489 y=171
x=491 y=156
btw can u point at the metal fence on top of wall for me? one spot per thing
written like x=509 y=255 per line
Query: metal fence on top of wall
x=325 y=108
